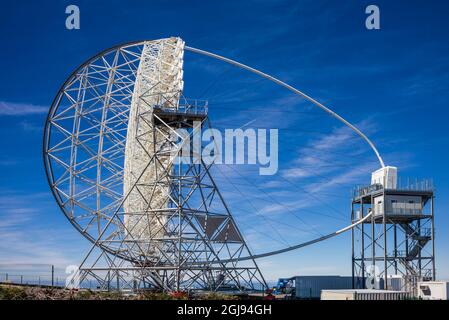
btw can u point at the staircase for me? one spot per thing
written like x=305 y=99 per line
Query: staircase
x=420 y=237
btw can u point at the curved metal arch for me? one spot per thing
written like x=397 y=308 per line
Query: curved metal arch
x=47 y=141
x=296 y=246
x=294 y=90
x=321 y=106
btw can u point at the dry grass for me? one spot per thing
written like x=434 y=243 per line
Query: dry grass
x=12 y=292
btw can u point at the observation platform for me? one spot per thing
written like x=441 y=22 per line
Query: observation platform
x=403 y=204
x=185 y=113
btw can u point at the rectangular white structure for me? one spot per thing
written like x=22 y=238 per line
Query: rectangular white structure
x=364 y=294
x=433 y=290
x=388 y=177
x=403 y=205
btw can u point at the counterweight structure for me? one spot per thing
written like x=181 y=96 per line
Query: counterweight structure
x=395 y=248
x=158 y=83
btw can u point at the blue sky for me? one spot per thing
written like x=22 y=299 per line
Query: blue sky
x=392 y=83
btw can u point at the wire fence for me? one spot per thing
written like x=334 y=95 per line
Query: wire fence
x=33 y=274
x=39 y=275
x=43 y=275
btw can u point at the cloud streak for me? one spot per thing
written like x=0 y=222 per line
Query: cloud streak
x=20 y=109
x=322 y=155
x=25 y=238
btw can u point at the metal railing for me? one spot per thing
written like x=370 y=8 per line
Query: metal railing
x=194 y=109
x=361 y=191
x=425 y=232
x=177 y=103
x=409 y=184
x=402 y=185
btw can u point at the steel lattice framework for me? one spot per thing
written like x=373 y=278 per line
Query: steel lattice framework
x=152 y=220
x=398 y=241
x=111 y=148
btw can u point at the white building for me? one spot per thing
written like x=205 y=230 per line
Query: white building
x=433 y=290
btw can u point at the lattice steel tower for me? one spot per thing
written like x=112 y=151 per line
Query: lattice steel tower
x=396 y=244
x=114 y=144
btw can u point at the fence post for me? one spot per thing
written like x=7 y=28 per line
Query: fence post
x=52 y=275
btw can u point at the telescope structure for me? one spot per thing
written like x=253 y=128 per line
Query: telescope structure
x=114 y=151
x=115 y=155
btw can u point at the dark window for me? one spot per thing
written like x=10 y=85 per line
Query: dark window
x=426 y=290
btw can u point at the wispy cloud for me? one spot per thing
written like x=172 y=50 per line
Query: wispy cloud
x=284 y=206
x=30 y=127
x=350 y=176
x=8 y=162
x=32 y=247
x=276 y=109
x=14 y=217
x=326 y=153
x=26 y=236
x=20 y=109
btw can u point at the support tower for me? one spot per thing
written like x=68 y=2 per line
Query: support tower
x=395 y=248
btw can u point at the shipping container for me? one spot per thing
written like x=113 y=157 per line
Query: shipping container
x=309 y=287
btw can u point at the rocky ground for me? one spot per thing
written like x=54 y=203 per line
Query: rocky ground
x=14 y=292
